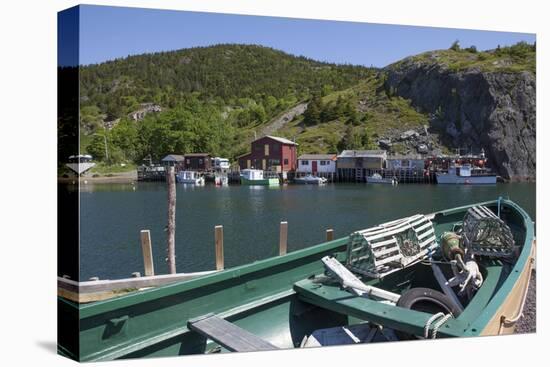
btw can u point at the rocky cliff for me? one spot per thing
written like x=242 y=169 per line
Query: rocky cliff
x=475 y=107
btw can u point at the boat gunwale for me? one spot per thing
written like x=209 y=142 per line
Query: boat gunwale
x=478 y=325
x=95 y=308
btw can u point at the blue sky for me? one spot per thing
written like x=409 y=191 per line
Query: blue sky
x=113 y=32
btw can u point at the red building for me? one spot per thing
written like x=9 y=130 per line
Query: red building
x=270 y=153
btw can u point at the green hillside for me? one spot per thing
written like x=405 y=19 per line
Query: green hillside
x=213 y=98
x=515 y=58
x=216 y=99
x=372 y=112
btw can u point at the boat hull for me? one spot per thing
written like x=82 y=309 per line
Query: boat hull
x=191 y=182
x=300 y=181
x=387 y=181
x=261 y=182
x=505 y=319
x=446 y=179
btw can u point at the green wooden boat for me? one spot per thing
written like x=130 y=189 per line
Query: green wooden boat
x=257 y=177
x=281 y=302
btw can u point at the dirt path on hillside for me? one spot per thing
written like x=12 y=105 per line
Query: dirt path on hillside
x=281 y=120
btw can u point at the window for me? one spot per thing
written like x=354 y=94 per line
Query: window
x=304 y=162
x=323 y=163
x=200 y=161
x=188 y=161
x=266 y=149
x=285 y=161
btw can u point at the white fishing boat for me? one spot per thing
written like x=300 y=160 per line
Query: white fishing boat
x=310 y=180
x=377 y=178
x=466 y=174
x=190 y=177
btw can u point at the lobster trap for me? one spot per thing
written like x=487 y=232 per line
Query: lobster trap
x=485 y=234
x=381 y=250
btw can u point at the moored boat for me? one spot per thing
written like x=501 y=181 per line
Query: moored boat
x=466 y=174
x=221 y=180
x=453 y=273
x=310 y=180
x=377 y=178
x=257 y=177
x=190 y=177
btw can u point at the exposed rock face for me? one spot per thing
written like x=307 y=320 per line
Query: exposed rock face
x=473 y=109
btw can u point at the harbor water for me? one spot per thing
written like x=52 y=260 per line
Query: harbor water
x=112 y=216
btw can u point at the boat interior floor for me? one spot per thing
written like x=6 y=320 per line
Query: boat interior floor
x=320 y=291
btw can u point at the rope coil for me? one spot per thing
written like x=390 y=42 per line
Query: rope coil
x=441 y=320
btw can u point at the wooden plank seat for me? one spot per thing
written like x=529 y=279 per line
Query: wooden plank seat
x=228 y=335
x=388 y=247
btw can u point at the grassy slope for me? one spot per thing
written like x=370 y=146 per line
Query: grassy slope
x=486 y=61
x=382 y=114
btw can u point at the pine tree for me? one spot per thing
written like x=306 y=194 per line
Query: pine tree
x=312 y=115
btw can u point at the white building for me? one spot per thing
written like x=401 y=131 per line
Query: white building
x=317 y=164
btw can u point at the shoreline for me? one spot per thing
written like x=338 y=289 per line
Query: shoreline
x=116 y=177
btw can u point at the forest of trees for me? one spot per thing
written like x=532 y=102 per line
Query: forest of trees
x=209 y=96
x=319 y=112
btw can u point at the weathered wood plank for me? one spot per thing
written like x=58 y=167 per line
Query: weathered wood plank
x=228 y=335
x=147 y=252
x=126 y=283
x=330 y=234
x=218 y=239
x=283 y=238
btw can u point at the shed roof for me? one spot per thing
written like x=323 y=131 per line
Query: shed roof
x=281 y=140
x=402 y=157
x=197 y=155
x=173 y=158
x=313 y=157
x=363 y=154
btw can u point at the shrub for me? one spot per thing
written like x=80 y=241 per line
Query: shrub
x=455 y=46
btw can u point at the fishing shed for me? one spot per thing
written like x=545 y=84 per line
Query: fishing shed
x=407 y=168
x=173 y=160
x=398 y=162
x=356 y=165
x=323 y=165
x=197 y=162
x=270 y=153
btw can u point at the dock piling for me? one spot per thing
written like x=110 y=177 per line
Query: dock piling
x=283 y=238
x=146 y=248
x=330 y=234
x=218 y=238
x=171 y=228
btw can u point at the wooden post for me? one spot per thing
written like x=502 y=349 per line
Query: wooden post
x=330 y=234
x=218 y=239
x=147 y=253
x=283 y=237
x=171 y=228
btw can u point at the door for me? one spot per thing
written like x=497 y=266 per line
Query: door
x=314 y=166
